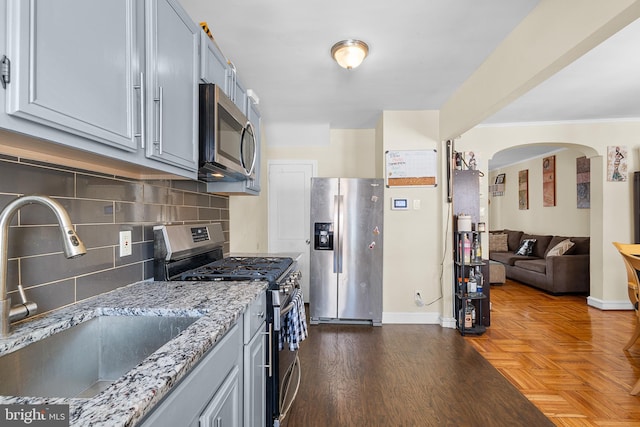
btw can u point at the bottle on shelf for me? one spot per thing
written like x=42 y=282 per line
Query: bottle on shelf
x=462 y=285
x=479 y=280
x=477 y=249
x=468 y=315
x=466 y=249
x=473 y=314
x=472 y=285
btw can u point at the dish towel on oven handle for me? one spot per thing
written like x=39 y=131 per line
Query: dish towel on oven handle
x=294 y=327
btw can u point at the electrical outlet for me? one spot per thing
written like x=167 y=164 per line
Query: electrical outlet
x=125 y=243
x=417 y=297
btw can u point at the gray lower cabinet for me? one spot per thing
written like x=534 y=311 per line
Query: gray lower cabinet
x=117 y=79
x=255 y=386
x=223 y=410
x=226 y=388
x=211 y=395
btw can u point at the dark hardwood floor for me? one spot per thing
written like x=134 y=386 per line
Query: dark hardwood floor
x=402 y=375
x=543 y=354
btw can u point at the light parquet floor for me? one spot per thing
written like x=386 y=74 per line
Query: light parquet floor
x=564 y=356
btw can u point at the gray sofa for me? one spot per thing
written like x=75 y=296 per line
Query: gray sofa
x=567 y=273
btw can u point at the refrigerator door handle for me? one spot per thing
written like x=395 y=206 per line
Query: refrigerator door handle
x=336 y=242
x=340 y=229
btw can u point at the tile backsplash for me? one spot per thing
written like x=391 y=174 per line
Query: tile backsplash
x=100 y=206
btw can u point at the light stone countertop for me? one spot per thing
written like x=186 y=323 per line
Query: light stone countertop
x=125 y=402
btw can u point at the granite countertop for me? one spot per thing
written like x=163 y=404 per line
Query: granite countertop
x=125 y=402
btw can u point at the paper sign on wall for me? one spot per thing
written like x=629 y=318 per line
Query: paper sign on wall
x=405 y=168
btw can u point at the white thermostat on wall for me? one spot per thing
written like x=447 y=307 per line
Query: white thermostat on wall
x=398 y=204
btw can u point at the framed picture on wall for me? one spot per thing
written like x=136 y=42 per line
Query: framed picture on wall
x=500 y=179
x=617 y=163
x=583 y=181
x=523 y=189
x=549 y=181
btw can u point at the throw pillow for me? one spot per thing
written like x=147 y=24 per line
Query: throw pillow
x=561 y=248
x=498 y=242
x=526 y=247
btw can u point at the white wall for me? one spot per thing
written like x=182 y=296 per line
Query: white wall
x=248 y=220
x=413 y=239
x=349 y=153
x=417 y=242
x=564 y=219
x=413 y=248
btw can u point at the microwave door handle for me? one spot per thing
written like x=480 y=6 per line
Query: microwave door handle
x=252 y=140
x=244 y=166
x=255 y=147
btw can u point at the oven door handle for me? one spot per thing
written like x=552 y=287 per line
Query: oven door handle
x=289 y=307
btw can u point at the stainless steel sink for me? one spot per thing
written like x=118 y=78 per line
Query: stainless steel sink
x=85 y=359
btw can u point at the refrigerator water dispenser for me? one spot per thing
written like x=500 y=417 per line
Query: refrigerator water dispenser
x=323 y=236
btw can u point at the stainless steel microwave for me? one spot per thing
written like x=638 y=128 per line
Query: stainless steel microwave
x=227 y=143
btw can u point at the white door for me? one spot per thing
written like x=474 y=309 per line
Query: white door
x=289 y=211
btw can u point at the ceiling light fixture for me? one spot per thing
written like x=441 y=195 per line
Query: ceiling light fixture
x=349 y=53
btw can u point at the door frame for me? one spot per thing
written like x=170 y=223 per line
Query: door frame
x=270 y=220
x=279 y=162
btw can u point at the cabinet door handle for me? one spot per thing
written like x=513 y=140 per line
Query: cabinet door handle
x=141 y=134
x=270 y=364
x=160 y=124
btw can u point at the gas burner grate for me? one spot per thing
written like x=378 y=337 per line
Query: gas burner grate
x=241 y=268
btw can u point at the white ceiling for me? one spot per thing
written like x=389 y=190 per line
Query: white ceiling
x=420 y=52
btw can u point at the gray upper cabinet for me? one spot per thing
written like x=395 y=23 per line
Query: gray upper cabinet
x=72 y=71
x=213 y=64
x=238 y=91
x=118 y=79
x=172 y=67
x=216 y=69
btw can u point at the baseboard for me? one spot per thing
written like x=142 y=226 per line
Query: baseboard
x=609 y=305
x=417 y=319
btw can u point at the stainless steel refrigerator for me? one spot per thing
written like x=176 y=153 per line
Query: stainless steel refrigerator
x=346 y=250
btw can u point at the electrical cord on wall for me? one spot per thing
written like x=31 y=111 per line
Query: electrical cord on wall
x=444 y=255
x=418 y=298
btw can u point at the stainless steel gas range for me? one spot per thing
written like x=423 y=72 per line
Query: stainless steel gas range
x=195 y=253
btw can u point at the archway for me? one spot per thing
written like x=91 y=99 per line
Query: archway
x=568 y=221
